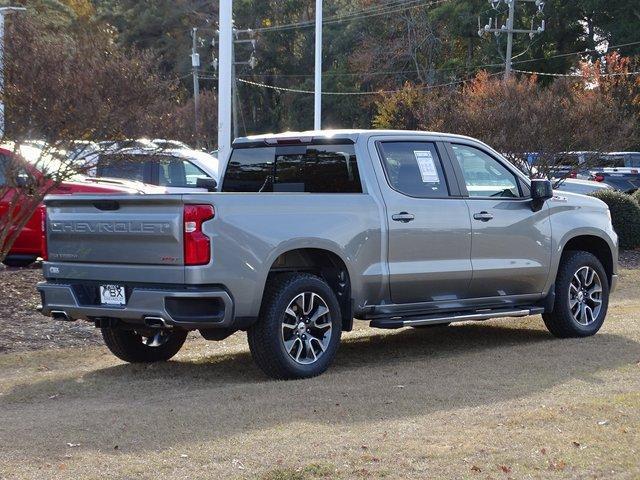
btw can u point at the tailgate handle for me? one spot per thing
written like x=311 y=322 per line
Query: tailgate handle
x=107 y=205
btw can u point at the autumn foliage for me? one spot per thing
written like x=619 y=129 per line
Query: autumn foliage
x=520 y=115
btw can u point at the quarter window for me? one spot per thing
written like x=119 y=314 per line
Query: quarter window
x=484 y=175
x=414 y=168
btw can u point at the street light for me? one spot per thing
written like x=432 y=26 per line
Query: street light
x=4 y=11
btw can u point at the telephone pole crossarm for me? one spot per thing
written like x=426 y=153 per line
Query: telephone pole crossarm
x=509 y=28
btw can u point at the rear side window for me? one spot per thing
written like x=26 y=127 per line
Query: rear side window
x=130 y=167
x=310 y=169
x=414 y=169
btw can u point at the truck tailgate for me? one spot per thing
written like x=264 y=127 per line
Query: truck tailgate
x=134 y=230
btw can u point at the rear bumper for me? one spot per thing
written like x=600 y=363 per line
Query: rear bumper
x=189 y=308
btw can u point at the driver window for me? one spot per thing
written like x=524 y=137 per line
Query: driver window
x=484 y=175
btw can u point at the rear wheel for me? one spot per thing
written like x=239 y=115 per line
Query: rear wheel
x=582 y=297
x=143 y=347
x=299 y=330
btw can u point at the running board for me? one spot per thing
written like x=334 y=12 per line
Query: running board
x=416 y=321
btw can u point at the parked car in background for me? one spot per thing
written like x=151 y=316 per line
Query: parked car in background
x=313 y=229
x=117 y=145
x=176 y=170
x=621 y=170
x=169 y=144
x=583 y=187
x=624 y=182
x=28 y=247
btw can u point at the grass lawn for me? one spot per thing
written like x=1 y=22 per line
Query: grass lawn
x=499 y=399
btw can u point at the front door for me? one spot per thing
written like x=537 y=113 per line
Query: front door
x=429 y=240
x=511 y=244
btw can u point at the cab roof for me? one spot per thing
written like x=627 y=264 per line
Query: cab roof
x=328 y=136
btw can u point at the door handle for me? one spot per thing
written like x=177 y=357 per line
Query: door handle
x=403 y=217
x=483 y=216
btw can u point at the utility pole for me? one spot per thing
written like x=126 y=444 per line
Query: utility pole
x=4 y=11
x=317 y=121
x=234 y=97
x=225 y=93
x=509 y=28
x=252 y=62
x=195 y=63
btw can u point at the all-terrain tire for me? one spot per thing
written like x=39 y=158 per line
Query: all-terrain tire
x=561 y=322
x=265 y=337
x=128 y=345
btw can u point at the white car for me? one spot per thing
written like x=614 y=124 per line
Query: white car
x=178 y=170
x=583 y=187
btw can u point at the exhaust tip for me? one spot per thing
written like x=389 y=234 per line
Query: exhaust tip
x=61 y=316
x=156 y=322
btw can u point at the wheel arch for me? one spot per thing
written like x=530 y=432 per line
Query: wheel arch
x=325 y=263
x=595 y=245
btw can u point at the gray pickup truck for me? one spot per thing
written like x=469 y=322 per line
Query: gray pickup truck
x=311 y=230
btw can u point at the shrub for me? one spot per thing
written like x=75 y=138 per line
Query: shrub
x=625 y=214
x=636 y=195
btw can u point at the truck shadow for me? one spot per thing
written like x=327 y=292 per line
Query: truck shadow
x=379 y=376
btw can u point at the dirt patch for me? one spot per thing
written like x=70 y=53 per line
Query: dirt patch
x=630 y=259
x=23 y=328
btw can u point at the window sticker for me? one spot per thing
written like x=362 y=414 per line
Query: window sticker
x=427 y=166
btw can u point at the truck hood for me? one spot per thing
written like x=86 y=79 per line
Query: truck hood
x=579 y=200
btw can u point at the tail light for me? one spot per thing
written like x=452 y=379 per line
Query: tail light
x=598 y=177
x=573 y=174
x=44 y=250
x=197 y=246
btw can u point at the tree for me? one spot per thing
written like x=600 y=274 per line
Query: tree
x=61 y=88
x=518 y=117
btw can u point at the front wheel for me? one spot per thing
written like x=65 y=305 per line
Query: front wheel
x=299 y=330
x=582 y=297
x=143 y=347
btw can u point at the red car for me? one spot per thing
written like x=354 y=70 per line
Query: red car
x=29 y=245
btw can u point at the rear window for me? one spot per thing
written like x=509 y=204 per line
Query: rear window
x=310 y=169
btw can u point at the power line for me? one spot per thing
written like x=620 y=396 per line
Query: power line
x=617 y=74
x=560 y=55
x=378 y=92
x=371 y=12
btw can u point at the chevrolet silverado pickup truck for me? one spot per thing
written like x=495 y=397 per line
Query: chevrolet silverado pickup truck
x=311 y=230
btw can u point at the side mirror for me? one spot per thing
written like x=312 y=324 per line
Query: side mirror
x=207 y=183
x=541 y=191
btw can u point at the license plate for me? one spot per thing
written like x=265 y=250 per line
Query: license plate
x=112 y=295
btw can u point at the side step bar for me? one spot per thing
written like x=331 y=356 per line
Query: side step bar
x=415 y=321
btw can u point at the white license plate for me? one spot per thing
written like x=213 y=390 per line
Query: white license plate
x=112 y=295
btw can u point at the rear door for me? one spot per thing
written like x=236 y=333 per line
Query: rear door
x=511 y=244
x=429 y=231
